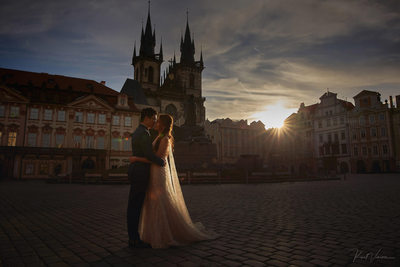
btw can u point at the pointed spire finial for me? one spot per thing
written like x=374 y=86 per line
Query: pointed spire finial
x=161 y=57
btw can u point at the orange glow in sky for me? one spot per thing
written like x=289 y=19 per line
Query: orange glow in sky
x=273 y=116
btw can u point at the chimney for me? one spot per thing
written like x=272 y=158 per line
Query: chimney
x=391 y=102
x=103 y=82
x=398 y=101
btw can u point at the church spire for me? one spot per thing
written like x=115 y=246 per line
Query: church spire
x=160 y=55
x=147 y=42
x=201 y=57
x=187 y=45
x=134 y=54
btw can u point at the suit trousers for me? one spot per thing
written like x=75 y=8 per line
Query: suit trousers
x=137 y=194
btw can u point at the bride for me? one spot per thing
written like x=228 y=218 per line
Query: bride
x=164 y=219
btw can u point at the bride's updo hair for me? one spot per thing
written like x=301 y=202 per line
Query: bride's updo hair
x=168 y=123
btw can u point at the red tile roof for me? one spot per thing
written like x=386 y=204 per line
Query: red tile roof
x=10 y=76
x=48 y=88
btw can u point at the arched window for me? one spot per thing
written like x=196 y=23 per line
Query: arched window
x=171 y=110
x=191 y=80
x=151 y=74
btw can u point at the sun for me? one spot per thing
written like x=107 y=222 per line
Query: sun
x=273 y=116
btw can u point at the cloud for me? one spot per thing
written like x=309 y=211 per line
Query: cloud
x=256 y=53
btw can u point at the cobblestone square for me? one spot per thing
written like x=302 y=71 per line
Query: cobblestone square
x=352 y=222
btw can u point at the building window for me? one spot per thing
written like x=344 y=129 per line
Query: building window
x=191 y=80
x=383 y=132
x=354 y=136
x=14 y=112
x=59 y=140
x=46 y=140
x=373 y=132
x=90 y=118
x=320 y=124
x=43 y=168
x=29 y=169
x=115 y=120
x=355 y=151
x=362 y=120
x=100 y=142
x=328 y=150
x=362 y=133
x=341 y=120
x=344 y=149
x=34 y=115
x=128 y=121
x=2 y=111
x=336 y=136
x=12 y=139
x=89 y=141
x=79 y=117
x=102 y=118
x=61 y=115
x=342 y=135
x=335 y=121
x=364 y=150
x=382 y=116
x=115 y=143
x=329 y=138
x=385 y=149
x=375 y=149
x=127 y=144
x=151 y=75
x=31 y=139
x=321 y=138
x=371 y=119
x=77 y=141
x=328 y=122
x=48 y=114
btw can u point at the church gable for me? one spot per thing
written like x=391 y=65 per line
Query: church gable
x=90 y=102
x=10 y=95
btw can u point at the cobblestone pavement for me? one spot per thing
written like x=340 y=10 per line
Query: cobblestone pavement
x=320 y=223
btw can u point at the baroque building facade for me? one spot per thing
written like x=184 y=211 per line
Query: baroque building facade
x=331 y=134
x=50 y=122
x=372 y=136
x=337 y=136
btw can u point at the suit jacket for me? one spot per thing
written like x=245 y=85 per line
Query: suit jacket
x=139 y=172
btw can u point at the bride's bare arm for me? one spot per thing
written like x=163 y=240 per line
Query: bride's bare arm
x=162 y=151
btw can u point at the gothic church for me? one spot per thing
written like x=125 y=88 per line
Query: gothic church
x=178 y=90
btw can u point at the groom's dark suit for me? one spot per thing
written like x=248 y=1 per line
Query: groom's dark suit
x=139 y=174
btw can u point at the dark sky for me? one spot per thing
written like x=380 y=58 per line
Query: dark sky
x=257 y=54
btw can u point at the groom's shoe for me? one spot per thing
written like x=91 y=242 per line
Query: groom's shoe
x=138 y=244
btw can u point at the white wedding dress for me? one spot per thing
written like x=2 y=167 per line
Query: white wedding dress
x=164 y=219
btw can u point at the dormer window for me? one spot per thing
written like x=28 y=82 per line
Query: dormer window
x=123 y=100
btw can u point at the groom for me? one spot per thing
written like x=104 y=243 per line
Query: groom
x=139 y=173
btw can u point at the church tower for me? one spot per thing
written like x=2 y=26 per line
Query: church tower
x=184 y=78
x=189 y=70
x=147 y=64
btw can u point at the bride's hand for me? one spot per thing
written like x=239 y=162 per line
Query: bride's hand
x=132 y=159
